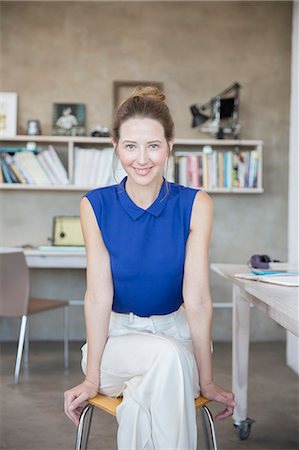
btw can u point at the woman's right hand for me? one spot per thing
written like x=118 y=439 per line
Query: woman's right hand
x=73 y=399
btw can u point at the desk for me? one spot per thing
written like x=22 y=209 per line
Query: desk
x=280 y=303
x=58 y=259
x=37 y=259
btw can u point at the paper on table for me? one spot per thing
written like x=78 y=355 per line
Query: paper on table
x=288 y=280
x=274 y=272
x=61 y=248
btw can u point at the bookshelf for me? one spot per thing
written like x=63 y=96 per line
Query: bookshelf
x=183 y=148
x=209 y=164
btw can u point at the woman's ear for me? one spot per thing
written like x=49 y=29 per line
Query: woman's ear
x=170 y=144
x=114 y=145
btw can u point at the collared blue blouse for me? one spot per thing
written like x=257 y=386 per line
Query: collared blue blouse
x=146 y=246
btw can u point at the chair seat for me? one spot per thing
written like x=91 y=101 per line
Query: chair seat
x=37 y=305
x=109 y=404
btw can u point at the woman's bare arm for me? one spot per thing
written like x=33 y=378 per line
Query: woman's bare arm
x=197 y=298
x=97 y=308
x=99 y=292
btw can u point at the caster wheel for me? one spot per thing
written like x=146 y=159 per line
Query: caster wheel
x=243 y=428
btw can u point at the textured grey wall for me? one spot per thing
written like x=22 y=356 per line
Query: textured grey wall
x=72 y=52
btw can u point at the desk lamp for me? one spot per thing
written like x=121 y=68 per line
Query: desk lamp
x=222 y=110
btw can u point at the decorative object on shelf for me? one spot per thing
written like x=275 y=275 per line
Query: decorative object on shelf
x=33 y=127
x=100 y=131
x=69 y=119
x=8 y=114
x=122 y=89
x=222 y=110
x=67 y=231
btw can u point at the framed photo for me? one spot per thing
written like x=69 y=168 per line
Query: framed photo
x=69 y=119
x=122 y=89
x=8 y=114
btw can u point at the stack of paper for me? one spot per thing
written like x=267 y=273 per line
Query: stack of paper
x=282 y=277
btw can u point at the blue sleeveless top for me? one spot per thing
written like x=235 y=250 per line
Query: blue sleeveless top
x=146 y=246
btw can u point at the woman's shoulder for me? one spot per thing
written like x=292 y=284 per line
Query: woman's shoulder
x=101 y=191
x=186 y=192
x=100 y=197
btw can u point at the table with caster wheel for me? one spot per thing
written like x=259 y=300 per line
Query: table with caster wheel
x=280 y=303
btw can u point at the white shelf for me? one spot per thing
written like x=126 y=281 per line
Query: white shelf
x=31 y=187
x=107 y=140
x=34 y=187
x=58 y=139
x=219 y=142
x=194 y=144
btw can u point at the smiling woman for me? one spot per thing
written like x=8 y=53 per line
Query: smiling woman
x=147 y=245
x=144 y=158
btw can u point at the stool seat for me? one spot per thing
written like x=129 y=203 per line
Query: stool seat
x=109 y=404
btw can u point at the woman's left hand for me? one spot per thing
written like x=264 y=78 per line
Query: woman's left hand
x=214 y=392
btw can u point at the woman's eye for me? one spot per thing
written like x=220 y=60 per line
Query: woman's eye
x=130 y=146
x=154 y=146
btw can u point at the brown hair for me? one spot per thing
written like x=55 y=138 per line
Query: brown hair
x=145 y=101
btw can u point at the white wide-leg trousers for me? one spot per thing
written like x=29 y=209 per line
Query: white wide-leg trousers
x=150 y=362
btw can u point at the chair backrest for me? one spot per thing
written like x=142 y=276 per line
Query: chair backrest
x=14 y=284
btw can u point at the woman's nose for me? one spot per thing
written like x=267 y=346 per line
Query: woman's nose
x=142 y=156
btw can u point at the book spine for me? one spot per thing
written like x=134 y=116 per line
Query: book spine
x=220 y=169
x=194 y=180
x=14 y=169
x=22 y=168
x=6 y=173
x=183 y=170
x=48 y=172
x=37 y=170
x=52 y=166
x=58 y=163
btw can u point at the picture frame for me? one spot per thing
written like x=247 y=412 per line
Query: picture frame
x=68 y=119
x=122 y=89
x=8 y=114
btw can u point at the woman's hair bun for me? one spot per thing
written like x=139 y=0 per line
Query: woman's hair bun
x=148 y=91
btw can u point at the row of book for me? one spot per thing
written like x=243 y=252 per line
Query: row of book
x=220 y=169
x=94 y=167
x=32 y=167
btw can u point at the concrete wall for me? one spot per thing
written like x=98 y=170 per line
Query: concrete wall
x=72 y=52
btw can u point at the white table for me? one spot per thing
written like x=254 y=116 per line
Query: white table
x=51 y=259
x=58 y=259
x=280 y=303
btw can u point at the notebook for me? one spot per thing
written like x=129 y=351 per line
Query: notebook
x=283 y=280
x=61 y=248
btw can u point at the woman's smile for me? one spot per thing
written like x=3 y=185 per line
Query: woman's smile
x=142 y=172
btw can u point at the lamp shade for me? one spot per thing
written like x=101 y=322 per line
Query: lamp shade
x=227 y=106
x=198 y=117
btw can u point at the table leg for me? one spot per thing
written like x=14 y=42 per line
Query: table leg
x=241 y=322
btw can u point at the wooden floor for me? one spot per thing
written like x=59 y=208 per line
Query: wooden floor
x=32 y=417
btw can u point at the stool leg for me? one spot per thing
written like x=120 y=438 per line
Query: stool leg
x=205 y=429
x=211 y=423
x=26 y=345
x=20 y=349
x=84 y=428
x=66 y=336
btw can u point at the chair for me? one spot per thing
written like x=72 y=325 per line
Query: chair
x=15 y=301
x=109 y=405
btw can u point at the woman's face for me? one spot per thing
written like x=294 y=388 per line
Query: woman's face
x=143 y=149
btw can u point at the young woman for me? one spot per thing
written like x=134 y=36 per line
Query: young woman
x=147 y=243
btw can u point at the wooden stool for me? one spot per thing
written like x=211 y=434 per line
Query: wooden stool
x=109 y=405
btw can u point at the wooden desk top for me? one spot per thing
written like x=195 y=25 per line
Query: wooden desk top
x=281 y=303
